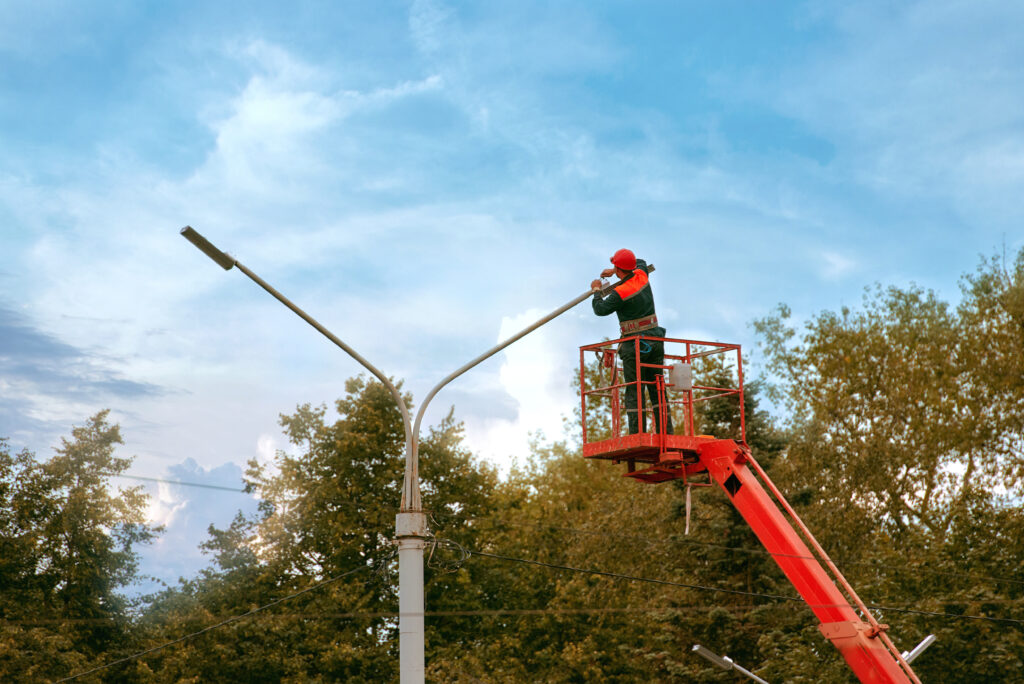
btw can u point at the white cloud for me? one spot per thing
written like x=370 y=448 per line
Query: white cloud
x=276 y=62
x=922 y=100
x=833 y=265
x=266 y=448
x=165 y=505
x=406 y=88
x=187 y=512
x=263 y=135
x=419 y=285
x=535 y=372
x=427 y=20
x=281 y=140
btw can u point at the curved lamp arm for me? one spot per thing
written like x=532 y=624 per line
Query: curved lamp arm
x=226 y=261
x=407 y=492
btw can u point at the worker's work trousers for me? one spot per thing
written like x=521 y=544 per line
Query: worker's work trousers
x=651 y=351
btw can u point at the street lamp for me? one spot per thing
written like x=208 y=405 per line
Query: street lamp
x=411 y=522
x=911 y=656
x=725 y=662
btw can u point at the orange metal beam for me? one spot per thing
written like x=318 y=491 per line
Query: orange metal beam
x=862 y=644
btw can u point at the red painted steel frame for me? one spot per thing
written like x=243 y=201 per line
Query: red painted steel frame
x=845 y=620
x=692 y=350
x=864 y=645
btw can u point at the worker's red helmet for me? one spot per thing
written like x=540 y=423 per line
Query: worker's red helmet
x=624 y=259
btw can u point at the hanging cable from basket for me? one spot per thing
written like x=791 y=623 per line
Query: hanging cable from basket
x=688 y=488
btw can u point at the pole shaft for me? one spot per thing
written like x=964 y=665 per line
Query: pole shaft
x=410 y=610
x=410 y=527
x=410 y=524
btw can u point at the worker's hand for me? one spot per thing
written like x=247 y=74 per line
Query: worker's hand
x=595 y=285
x=608 y=273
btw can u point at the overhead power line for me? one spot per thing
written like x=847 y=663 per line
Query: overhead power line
x=497 y=612
x=616 y=575
x=735 y=549
x=494 y=612
x=234 y=618
x=638 y=538
x=183 y=484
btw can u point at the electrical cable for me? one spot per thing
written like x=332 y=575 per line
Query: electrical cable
x=337 y=502
x=688 y=542
x=616 y=575
x=444 y=567
x=184 y=484
x=692 y=542
x=496 y=612
x=468 y=553
x=222 y=623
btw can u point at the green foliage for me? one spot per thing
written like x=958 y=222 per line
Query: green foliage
x=583 y=514
x=894 y=409
x=67 y=543
x=906 y=423
x=329 y=508
x=902 y=452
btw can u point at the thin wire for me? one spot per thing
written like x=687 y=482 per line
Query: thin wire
x=647 y=540
x=229 y=620
x=336 y=502
x=468 y=613
x=616 y=575
x=763 y=552
x=432 y=613
x=184 y=484
x=445 y=567
x=634 y=578
x=535 y=563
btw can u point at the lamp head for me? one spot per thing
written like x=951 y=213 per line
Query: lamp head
x=223 y=260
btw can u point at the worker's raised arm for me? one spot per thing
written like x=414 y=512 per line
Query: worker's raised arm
x=605 y=305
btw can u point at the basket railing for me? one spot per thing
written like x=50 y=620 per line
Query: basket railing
x=603 y=394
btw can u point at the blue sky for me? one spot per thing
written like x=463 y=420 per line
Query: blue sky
x=427 y=177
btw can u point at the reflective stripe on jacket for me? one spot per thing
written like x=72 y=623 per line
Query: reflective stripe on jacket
x=630 y=300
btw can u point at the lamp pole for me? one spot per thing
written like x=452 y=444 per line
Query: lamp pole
x=411 y=531
x=725 y=662
x=911 y=656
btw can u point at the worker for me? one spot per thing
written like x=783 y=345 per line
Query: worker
x=633 y=301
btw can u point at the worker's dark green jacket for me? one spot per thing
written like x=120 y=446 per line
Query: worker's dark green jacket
x=630 y=300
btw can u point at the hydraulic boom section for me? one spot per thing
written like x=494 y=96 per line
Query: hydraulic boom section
x=704 y=460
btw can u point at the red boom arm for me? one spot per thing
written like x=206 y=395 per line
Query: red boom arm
x=864 y=645
x=659 y=457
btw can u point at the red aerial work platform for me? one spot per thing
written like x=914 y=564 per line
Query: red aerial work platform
x=653 y=456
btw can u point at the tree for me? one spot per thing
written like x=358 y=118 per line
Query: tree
x=68 y=544
x=906 y=420
x=902 y=453
x=583 y=514
x=992 y=315
x=329 y=508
